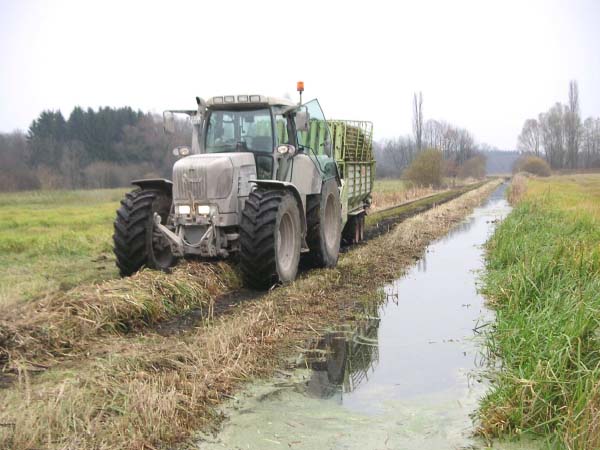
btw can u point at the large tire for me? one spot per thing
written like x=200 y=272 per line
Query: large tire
x=324 y=226
x=137 y=243
x=270 y=238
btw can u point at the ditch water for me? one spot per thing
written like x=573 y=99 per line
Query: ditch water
x=407 y=377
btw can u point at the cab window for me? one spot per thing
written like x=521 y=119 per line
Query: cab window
x=235 y=131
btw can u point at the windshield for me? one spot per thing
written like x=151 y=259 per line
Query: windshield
x=236 y=131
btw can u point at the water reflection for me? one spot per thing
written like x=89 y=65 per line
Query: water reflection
x=341 y=361
x=420 y=339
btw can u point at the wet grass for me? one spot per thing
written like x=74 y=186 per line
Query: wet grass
x=143 y=390
x=543 y=281
x=54 y=240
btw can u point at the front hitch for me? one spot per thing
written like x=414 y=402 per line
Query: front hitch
x=176 y=241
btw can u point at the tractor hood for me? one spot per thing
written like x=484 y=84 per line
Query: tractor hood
x=216 y=178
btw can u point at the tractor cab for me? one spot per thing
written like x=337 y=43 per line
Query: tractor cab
x=272 y=129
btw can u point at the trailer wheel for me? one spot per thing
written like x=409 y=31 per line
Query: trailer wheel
x=136 y=241
x=354 y=231
x=270 y=238
x=324 y=226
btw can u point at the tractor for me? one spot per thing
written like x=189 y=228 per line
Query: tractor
x=265 y=180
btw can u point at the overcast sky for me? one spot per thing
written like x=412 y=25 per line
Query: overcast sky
x=482 y=65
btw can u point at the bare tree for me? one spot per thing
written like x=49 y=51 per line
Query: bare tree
x=572 y=125
x=552 y=134
x=455 y=143
x=433 y=134
x=529 y=139
x=590 y=142
x=418 y=120
x=397 y=154
x=465 y=146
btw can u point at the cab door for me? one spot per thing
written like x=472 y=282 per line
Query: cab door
x=316 y=141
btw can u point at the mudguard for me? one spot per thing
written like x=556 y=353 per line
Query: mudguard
x=161 y=184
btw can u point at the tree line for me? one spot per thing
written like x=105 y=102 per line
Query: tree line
x=561 y=137
x=461 y=155
x=90 y=149
x=109 y=147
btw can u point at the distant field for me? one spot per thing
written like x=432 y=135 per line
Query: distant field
x=392 y=192
x=54 y=240
x=543 y=280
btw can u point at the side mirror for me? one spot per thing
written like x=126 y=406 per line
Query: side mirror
x=302 y=121
x=169 y=122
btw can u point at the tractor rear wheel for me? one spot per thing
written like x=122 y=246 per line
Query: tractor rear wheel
x=270 y=238
x=324 y=226
x=137 y=243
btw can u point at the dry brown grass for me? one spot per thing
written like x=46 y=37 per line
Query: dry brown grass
x=145 y=390
x=63 y=323
x=388 y=193
x=388 y=199
x=517 y=188
x=584 y=432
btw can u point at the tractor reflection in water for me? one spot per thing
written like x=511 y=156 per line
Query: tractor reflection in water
x=342 y=360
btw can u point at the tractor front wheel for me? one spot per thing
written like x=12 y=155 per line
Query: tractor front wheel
x=270 y=238
x=137 y=242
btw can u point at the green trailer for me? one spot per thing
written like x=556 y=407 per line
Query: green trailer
x=353 y=150
x=352 y=145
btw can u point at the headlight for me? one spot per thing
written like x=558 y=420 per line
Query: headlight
x=203 y=210
x=181 y=151
x=183 y=209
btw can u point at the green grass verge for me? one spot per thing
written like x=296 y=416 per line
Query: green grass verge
x=54 y=240
x=543 y=281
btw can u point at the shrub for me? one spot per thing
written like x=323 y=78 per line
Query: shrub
x=450 y=168
x=426 y=169
x=533 y=165
x=473 y=168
